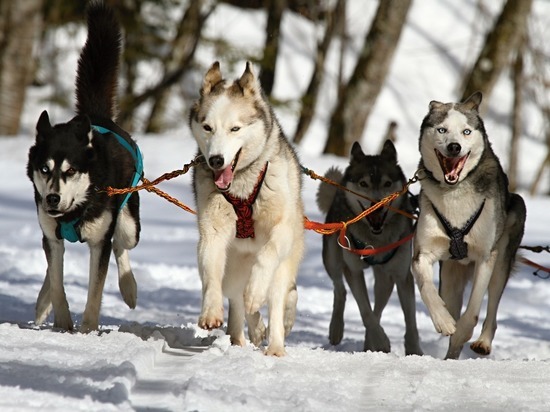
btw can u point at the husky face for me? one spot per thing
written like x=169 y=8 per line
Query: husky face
x=452 y=139
x=374 y=177
x=229 y=123
x=59 y=164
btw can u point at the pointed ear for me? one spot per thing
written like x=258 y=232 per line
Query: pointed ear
x=435 y=105
x=389 y=152
x=43 y=127
x=473 y=102
x=248 y=82
x=212 y=77
x=82 y=127
x=356 y=151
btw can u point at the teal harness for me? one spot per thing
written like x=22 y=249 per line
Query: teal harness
x=68 y=230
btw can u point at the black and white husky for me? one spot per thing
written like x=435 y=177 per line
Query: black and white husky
x=70 y=163
x=468 y=221
x=374 y=177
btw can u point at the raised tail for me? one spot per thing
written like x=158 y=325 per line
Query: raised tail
x=97 y=73
x=326 y=192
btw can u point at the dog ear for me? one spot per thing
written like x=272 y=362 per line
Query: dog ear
x=43 y=126
x=82 y=127
x=435 y=105
x=473 y=102
x=356 y=151
x=248 y=83
x=389 y=152
x=212 y=77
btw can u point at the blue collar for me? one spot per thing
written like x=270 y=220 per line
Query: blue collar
x=69 y=230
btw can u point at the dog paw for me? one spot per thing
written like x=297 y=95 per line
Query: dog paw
x=63 y=321
x=211 y=319
x=257 y=334
x=128 y=289
x=444 y=323
x=376 y=340
x=252 y=304
x=480 y=347
x=336 y=331
x=88 y=327
x=275 y=350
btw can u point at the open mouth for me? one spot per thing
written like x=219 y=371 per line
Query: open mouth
x=224 y=177
x=376 y=219
x=451 y=166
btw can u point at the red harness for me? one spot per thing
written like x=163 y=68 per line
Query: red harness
x=243 y=209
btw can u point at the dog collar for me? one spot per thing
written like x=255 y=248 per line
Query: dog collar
x=243 y=208
x=69 y=230
x=458 y=248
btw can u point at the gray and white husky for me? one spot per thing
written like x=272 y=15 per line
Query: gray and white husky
x=374 y=177
x=468 y=221
x=69 y=163
x=250 y=211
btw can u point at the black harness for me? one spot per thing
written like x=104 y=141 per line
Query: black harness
x=458 y=247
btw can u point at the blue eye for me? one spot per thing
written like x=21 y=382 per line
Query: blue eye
x=235 y=129
x=45 y=170
x=441 y=130
x=466 y=132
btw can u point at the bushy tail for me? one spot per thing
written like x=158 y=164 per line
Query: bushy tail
x=97 y=74
x=326 y=192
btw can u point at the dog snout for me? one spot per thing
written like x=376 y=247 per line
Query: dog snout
x=53 y=200
x=454 y=149
x=216 y=162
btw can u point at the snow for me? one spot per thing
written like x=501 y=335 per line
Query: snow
x=156 y=358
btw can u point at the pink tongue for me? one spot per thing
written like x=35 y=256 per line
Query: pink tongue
x=452 y=168
x=223 y=178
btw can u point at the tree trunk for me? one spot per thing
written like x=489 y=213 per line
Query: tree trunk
x=354 y=107
x=20 y=27
x=275 y=10
x=183 y=51
x=504 y=38
x=517 y=74
x=309 y=99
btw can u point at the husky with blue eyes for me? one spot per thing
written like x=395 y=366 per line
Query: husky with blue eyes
x=469 y=222
x=70 y=163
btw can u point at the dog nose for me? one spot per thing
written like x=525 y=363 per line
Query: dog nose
x=216 y=162
x=454 y=149
x=53 y=200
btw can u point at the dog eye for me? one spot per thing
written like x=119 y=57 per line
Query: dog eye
x=70 y=172
x=45 y=170
x=466 y=132
x=206 y=127
x=387 y=184
x=441 y=130
x=235 y=129
x=362 y=183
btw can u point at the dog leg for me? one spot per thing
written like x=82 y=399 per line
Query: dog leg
x=453 y=278
x=99 y=264
x=333 y=262
x=256 y=328
x=290 y=310
x=405 y=291
x=125 y=238
x=467 y=322
x=235 y=321
x=375 y=337
x=44 y=302
x=507 y=246
x=383 y=288
x=422 y=268
x=55 y=249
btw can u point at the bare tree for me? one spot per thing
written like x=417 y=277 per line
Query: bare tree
x=355 y=105
x=513 y=153
x=20 y=26
x=275 y=9
x=309 y=99
x=500 y=42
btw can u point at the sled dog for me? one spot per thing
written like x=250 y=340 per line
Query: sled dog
x=250 y=211
x=70 y=163
x=374 y=177
x=468 y=221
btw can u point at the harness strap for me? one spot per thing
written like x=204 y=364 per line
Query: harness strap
x=458 y=248
x=243 y=208
x=371 y=259
x=69 y=230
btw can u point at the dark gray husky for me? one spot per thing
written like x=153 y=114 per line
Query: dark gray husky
x=67 y=165
x=374 y=177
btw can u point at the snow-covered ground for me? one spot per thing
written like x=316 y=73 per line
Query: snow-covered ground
x=155 y=357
